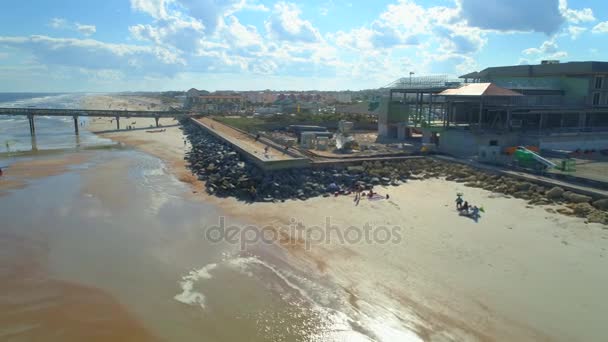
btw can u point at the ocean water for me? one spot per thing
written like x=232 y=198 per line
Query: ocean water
x=119 y=223
x=52 y=133
x=117 y=227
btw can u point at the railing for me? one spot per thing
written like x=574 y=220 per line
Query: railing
x=88 y=112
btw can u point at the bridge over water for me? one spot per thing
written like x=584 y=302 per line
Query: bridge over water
x=31 y=113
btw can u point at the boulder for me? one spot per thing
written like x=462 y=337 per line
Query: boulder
x=583 y=209
x=601 y=204
x=555 y=193
x=576 y=198
x=598 y=217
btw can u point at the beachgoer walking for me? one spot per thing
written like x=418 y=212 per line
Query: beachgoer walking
x=465 y=207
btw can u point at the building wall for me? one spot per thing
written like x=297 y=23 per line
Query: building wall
x=575 y=87
x=464 y=143
x=527 y=82
x=398 y=112
x=583 y=141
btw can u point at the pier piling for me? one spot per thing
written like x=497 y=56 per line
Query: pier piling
x=30 y=117
x=76 y=124
x=156 y=119
x=118 y=123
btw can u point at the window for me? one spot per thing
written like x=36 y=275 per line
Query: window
x=596 y=99
x=599 y=80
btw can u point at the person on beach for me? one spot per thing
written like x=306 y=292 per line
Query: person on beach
x=1 y=173
x=465 y=207
x=475 y=213
x=253 y=193
x=458 y=201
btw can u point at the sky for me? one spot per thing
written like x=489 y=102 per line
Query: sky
x=159 y=45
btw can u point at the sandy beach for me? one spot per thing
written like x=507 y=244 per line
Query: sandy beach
x=521 y=273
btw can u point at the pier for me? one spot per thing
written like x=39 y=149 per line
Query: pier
x=31 y=113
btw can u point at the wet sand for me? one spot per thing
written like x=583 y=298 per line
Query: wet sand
x=36 y=307
x=512 y=276
x=25 y=170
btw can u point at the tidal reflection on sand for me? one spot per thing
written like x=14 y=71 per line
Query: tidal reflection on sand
x=107 y=247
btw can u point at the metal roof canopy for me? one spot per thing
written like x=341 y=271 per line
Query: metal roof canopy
x=479 y=90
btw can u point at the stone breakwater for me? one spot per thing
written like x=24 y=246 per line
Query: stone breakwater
x=227 y=174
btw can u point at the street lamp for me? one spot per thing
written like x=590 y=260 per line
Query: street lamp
x=411 y=73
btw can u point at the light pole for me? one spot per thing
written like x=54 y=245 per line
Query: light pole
x=411 y=73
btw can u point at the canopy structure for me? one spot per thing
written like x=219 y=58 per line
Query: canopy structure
x=480 y=89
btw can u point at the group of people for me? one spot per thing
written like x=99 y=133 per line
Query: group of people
x=359 y=194
x=465 y=209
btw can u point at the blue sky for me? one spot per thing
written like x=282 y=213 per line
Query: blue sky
x=121 y=45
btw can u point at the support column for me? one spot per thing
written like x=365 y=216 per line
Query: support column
x=30 y=117
x=582 y=120
x=76 y=124
x=509 y=118
x=430 y=109
x=156 y=119
x=118 y=123
x=34 y=143
x=420 y=99
x=480 y=111
x=543 y=121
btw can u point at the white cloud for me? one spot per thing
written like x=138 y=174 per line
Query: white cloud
x=575 y=16
x=63 y=24
x=548 y=50
x=58 y=23
x=601 y=27
x=177 y=33
x=155 y=8
x=576 y=31
x=86 y=30
x=93 y=54
x=286 y=24
x=546 y=47
x=241 y=35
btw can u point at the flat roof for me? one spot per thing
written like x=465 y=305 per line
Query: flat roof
x=479 y=89
x=569 y=68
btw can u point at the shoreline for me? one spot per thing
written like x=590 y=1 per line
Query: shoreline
x=504 y=320
x=493 y=280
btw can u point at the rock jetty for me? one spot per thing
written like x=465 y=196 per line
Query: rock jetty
x=227 y=174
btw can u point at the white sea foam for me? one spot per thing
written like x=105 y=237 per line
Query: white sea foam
x=243 y=264
x=188 y=295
